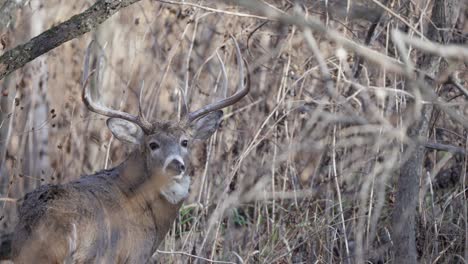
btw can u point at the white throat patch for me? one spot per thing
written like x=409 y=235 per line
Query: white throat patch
x=177 y=190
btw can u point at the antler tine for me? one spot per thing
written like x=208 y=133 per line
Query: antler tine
x=242 y=91
x=184 y=110
x=141 y=115
x=103 y=110
x=225 y=78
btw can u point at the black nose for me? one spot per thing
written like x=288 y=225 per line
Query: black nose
x=177 y=166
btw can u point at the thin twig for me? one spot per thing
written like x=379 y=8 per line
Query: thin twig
x=457 y=85
x=193 y=256
x=214 y=9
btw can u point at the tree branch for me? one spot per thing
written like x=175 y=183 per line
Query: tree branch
x=76 y=26
x=444 y=147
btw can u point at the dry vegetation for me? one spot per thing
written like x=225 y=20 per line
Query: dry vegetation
x=306 y=169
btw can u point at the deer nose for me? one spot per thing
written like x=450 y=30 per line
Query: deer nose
x=177 y=166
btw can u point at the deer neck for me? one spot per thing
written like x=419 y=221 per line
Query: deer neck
x=143 y=192
x=132 y=174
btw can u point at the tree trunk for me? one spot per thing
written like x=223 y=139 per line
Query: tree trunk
x=36 y=160
x=444 y=15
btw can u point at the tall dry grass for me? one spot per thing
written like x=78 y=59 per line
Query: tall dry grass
x=296 y=174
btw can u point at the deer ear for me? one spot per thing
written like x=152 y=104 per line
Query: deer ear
x=125 y=131
x=204 y=127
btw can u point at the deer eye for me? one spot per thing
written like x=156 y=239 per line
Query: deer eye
x=154 y=146
x=184 y=143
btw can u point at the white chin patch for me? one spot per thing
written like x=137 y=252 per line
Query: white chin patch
x=177 y=190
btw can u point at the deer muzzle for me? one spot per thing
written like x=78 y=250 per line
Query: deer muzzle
x=175 y=165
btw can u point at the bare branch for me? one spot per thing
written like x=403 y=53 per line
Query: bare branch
x=444 y=147
x=302 y=22
x=56 y=36
x=457 y=85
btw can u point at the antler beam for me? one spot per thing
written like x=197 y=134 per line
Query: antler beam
x=103 y=110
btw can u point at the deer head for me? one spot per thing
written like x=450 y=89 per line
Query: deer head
x=166 y=144
x=165 y=147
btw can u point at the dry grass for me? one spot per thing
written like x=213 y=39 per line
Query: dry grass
x=296 y=174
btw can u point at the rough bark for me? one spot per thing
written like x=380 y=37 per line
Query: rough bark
x=444 y=15
x=54 y=37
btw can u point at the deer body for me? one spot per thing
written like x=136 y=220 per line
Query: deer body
x=126 y=218
x=119 y=215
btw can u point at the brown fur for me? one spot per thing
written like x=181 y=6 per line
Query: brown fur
x=116 y=206
x=114 y=216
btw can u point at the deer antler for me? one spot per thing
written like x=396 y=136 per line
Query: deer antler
x=103 y=110
x=243 y=90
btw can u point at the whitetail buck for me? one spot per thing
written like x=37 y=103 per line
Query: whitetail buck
x=120 y=215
